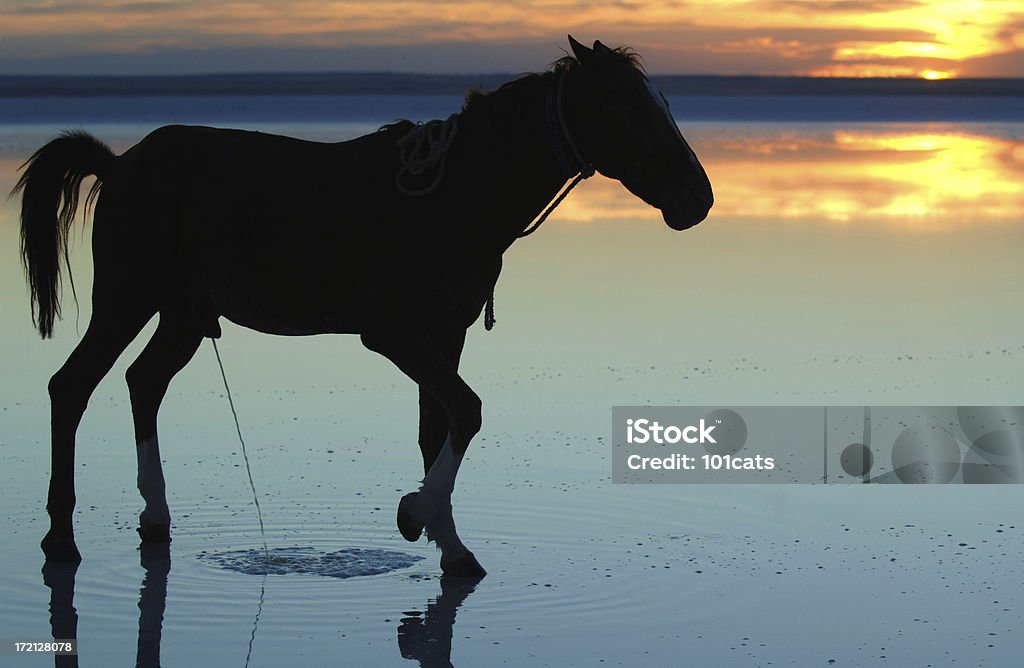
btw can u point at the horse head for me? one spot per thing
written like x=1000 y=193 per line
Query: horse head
x=623 y=127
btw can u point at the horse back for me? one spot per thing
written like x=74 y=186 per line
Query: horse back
x=288 y=236
x=258 y=227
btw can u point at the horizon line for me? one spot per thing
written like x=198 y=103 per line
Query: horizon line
x=341 y=83
x=494 y=73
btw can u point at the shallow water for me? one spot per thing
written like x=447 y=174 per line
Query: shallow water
x=870 y=264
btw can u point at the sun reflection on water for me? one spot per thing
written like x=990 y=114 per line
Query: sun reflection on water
x=914 y=177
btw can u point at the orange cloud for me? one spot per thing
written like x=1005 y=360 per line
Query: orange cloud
x=823 y=37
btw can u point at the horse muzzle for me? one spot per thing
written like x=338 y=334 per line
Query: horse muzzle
x=683 y=210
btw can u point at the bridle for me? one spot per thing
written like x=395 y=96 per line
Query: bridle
x=571 y=161
x=574 y=166
x=426 y=146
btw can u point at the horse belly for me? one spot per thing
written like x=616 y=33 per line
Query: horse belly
x=288 y=303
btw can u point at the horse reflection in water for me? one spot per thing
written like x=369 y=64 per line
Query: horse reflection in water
x=426 y=638
x=396 y=236
x=59 y=577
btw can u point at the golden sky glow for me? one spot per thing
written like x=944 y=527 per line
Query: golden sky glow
x=817 y=37
x=933 y=179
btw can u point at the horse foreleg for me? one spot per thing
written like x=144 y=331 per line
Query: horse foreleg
x=70 y=388
x=172 y=346
x=431 y=508
x=456 y=559
x=433 y=365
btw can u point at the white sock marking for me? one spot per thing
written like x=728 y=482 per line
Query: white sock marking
x=439 y=482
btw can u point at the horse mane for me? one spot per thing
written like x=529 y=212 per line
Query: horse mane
x=478 y=100
x=623 y=55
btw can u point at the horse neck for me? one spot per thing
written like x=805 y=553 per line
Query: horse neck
x=507 y=136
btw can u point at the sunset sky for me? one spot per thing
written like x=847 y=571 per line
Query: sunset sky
x=774 y=37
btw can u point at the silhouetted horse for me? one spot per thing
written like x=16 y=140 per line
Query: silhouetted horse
x=294 y=237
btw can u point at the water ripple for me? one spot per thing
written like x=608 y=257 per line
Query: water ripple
x=349 y=562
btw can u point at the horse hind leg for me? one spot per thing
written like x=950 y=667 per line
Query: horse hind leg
x=109 y=333
x=173 y=344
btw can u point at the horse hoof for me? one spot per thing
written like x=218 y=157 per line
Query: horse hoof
x=60 y=549
x=410 y=529
x=155 y=533
x=463 y=566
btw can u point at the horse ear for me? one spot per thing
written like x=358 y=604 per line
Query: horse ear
x=601 y=48
x=581 y=52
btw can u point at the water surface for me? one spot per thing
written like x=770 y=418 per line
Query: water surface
x=860 y=264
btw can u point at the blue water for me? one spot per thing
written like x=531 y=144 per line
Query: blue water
x=386 y=108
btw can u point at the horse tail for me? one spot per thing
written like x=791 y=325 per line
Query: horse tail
x=49 y=186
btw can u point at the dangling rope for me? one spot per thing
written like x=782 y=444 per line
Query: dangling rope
x=571 y=162
x=424 y=148
x=489 y=312
x=530 y=229
x=259 y=611
x=245 y=455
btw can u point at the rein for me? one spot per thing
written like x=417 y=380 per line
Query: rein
x=426 y=146
x=572 y=163
x=560 y=138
